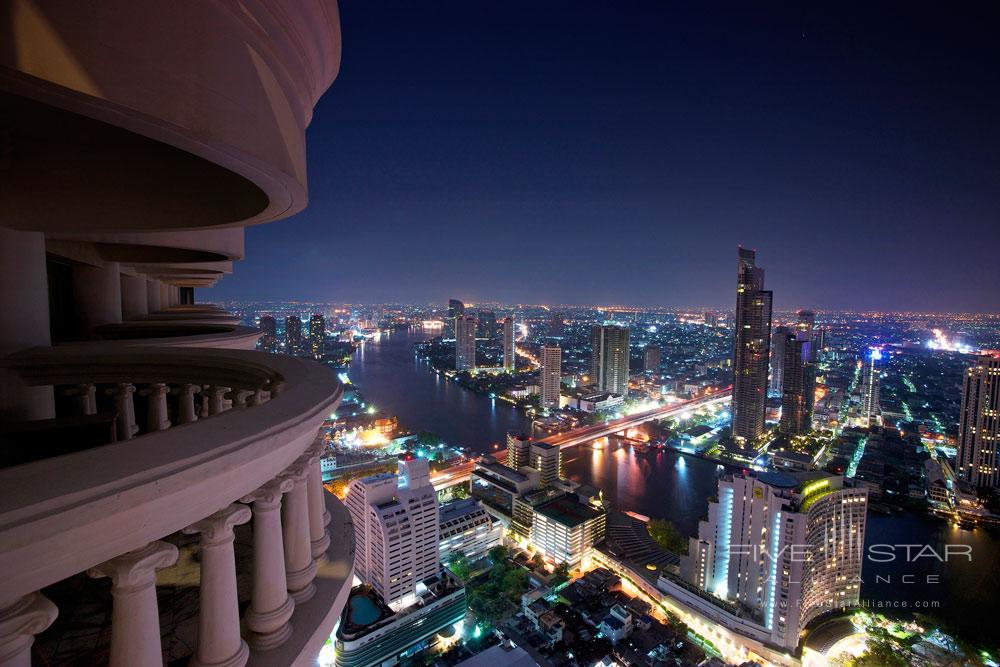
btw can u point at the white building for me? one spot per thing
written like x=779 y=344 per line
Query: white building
x=466 y=528
x=509 y=349
x=395 y=531
x=465 y=343
x=551 y=374
x=871 y=381
x=564 y=530
x=979 y=424
x=609 y=358
x=783 y=548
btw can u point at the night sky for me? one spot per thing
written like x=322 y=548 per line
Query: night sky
x=617 y=152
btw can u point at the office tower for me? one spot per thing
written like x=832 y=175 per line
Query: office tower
x=138 y=142
x=797 y=387
x=751 y=348
x=784 y=548
x=819 y=340
x=518 y=450
x=547 y=460
x=651 y=358
x=870 y=384
x=269 y=337
x=293 y=335
x=609 y=358
x=317 y=335
x=777 y=354
x=465 y=343
x=710 y=318
x=509 y=349
x=805 y=328
x=395 y=531
x=551 y=375
x=556 y=325
x=455 y=308
x=979 y=424
x=487 y=326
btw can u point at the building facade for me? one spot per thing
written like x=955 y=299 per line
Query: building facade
x=465 y=343
x=467 y=529
x=293 y=335
x=798 y=386
x=609 y=358
x=509 y=351
x=564 y=530
x=777 y=354
x=651 y=358
x=551 y=376
x=979 y=424
x=317 y=336
x=518 y=450
x=751 y=349
x=871 y=382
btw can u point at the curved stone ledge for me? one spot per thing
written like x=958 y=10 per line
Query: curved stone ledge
x=181 y=334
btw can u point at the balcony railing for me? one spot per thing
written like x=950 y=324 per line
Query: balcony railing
x=181 y=334
x=227 y=436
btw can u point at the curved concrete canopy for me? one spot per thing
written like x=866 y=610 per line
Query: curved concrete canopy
x=152 y=116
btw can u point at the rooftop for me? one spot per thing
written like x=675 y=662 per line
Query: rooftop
x=568 y=511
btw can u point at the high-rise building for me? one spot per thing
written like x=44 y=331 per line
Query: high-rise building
x=556 y=325
x=777 y=354
x=564 y=530
x=651 y=358
x=455 y=308
x=784 y=548
x=395 y=531
x=871 y=380
x=509 y=349
x=806 y=330
x=466 y=529
x=798 y=386
x=551 y=375
x=547 y=460
x=979 y=424
x=465 y=343
x=269 y=335
x=487 y=325
x=751 y=348
x=518 y=450
x=609 y=358
x=317 y=335
x=293 y=335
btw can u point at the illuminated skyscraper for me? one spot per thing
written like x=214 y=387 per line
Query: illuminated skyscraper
x=777 y=354
x=751 y=348
x=979 y=424
x=465 y=343
x=651 y=358
x=518 y=450
x=806 y=330
x=317 y=335
x=509 y=350
x=797 y=387
x=293 y=335
x=269 y=337
x=609 y=358
x=870 y=384
x=551 y=374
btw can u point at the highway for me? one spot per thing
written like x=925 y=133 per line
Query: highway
x=459 y=473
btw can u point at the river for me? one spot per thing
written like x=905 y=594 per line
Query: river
x=673 y=486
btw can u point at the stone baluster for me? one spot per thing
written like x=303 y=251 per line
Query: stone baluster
x=19 y=623
x=257 y=397
x=277 y=387
x=271 y=606
x=84 y=398
x=185 y=403
x=156 y=407
x=122 y=393
x=239 y=398
x=319 y=518
x=219 y=641
x=216 y=399
x=300 y=568
x=135 y=616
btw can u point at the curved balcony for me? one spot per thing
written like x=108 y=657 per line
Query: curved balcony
x=182 y=480
x=180 y=334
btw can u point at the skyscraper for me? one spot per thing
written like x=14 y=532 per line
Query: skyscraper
x=797 y=387
x=487 y=326
x=806 y=330
x=269 y=337
x=396 y=531
x=465 y=343
x=785 y=548
x=609 y=358
x=551 y=374
x=547 y=460
x=317 y=335
x=455 y=310
x=651 y=358
x=509 y=350
x=751 y=348
x=979 y=424
x=777 y=354
x=556 y=325
x=293 y=335
x=870 y=385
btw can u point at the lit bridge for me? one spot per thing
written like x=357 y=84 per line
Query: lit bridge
x=460 y=473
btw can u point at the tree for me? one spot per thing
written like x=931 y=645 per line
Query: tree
x=498 y=554
x=514 y=583
x=667 y=536
x=562 y=569
x=537 y=561
x=459 y=566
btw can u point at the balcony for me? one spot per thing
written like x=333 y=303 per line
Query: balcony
x=198 y=444
x=180 y=334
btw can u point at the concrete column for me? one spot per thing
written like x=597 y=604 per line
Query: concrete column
x=24 y=320
x=300 y=568
x=135 y=616
x=19 y=623
x=185 y=403
x=153 y=295
x=219 y=641
x=84 y=398
x=318 y=516
x=164 y=296
x=240 y=398
x=271 y=606
x=135 y=301
x=97 y=291
x=156 y=407
x=216 y=399
x=122 y=394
